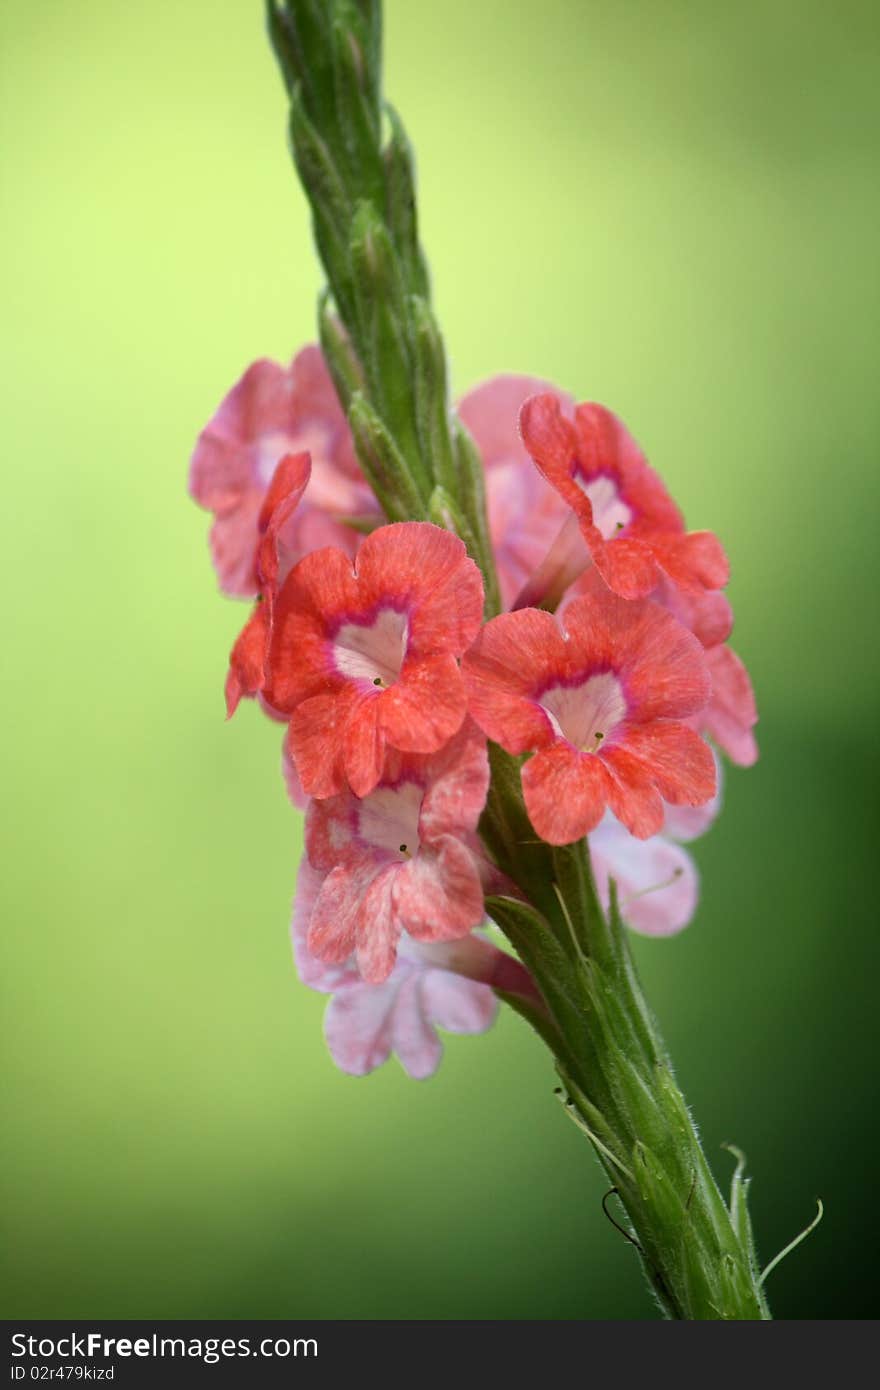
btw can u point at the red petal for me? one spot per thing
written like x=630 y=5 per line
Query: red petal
x=514 y=655
x=427 y=570
x=677 y=760
x=632 y=796
x=425 y=706
x=247 y=661
x=316 y=742
x=565 y=793
x=364 y=745
x=695 y=561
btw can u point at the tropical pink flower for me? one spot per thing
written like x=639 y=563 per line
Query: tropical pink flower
x=273 y=411
x=657 y=880
x=364 y=657
x=445 y=985
x=598 y=695
x=624 y=520
x=401 y=858
x=525 y=513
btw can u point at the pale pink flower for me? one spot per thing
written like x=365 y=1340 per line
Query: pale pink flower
x=657 y=880
x=272 y=411
x=445 y=985
x=526 y=514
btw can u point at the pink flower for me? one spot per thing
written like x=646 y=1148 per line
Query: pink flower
x=526 y=514
x=444 y=985
x=598 y=695
x=402 y=858
x=657 y=880
x=628 y=525
x=364 y=657
x=270 y=412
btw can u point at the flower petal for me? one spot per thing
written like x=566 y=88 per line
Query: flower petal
x=678 y=761
x=425 y=706
x=430 y=573
x=438 y=894
x=731 y=713
x=565 y=793
x=657 y=882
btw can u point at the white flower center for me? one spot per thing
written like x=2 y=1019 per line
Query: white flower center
x=372 y=651
x=389 y=819
x=586 y=714
x=271 y=448
x=610 y=512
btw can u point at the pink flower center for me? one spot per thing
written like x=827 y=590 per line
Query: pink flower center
x=372 y=651
x=610 y=512
x=388 y=819
x=586 y=714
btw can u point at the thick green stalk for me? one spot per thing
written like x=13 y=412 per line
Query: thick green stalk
x=619 y=1086
x=356 y=165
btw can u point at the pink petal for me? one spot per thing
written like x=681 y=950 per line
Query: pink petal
x=731 y=712
x=414 y=1039
x=334 y=919
x=378 y=926
x=491 y=412
x=456 y=793
x=657 y=881
x=358 y=1027
x=316 y=973
x=438 y=895
x=457 y=1004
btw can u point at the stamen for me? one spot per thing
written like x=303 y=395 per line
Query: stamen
x=656 y=887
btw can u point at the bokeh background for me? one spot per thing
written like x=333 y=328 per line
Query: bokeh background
x=670 y=207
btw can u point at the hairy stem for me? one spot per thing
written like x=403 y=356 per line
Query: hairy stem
x=616 y=1073
x=383 y=345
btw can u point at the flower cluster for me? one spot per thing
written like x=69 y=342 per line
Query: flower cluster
x=606 y=673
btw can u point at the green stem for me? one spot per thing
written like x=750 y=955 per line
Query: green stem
x=698 y=1255
x=356 y=166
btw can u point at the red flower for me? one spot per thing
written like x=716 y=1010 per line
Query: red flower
x=247 y=661
x=364 y=654
x=401 y=858
x=598 y=696
x=629 y=525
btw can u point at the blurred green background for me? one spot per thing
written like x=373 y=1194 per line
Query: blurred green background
x=668 y=207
